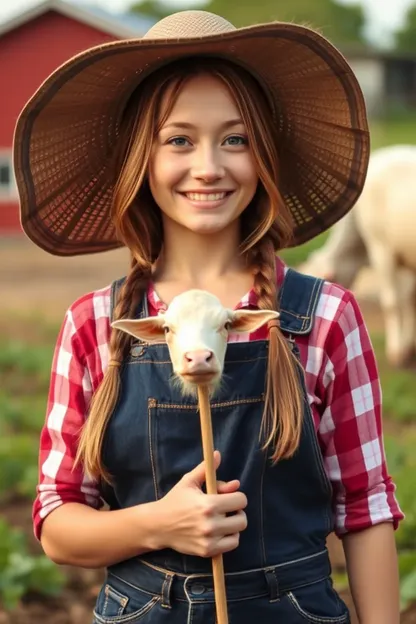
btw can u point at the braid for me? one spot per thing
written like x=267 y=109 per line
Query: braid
x=105 y=397
x=282 y=419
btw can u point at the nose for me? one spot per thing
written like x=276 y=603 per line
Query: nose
x=198 y=361
x=207 y=165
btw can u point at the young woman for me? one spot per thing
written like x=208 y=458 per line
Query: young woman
x=205 y=150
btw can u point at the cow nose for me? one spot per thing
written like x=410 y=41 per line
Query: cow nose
x=198 y=358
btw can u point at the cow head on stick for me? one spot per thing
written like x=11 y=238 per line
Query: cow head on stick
x=195 y=328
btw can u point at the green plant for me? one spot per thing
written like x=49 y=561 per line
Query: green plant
x=22 y=413
x=18 y=463
x=21 y=573
x=25 y=369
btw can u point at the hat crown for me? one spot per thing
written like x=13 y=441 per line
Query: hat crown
x=190 y=24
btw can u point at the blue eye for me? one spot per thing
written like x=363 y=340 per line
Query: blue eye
x=236 y=140
x=178 y=141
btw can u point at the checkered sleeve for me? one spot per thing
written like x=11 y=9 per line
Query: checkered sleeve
x=77 y=368
x=351 y=426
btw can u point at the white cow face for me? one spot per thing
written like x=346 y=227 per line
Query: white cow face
x=195 y=327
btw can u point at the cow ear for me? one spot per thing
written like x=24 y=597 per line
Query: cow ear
x=147 y=329
x=250 y=320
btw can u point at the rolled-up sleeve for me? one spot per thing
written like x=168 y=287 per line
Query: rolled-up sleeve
x=69 y=396
x=351 y=425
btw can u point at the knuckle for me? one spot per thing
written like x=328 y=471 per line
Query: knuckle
x=206 y=549
x=207 y=529
x=233 y=542
x=244 y=501
x=244 y=521
x=207 y=507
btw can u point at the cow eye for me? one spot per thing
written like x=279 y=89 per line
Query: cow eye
x=166 y=329
x=227 y=325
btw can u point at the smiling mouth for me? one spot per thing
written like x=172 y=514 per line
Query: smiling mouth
x=207 y=197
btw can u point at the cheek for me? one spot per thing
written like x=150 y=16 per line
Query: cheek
x=165 y=170
x=175 y=354
x=246 y=173
x=220 y=347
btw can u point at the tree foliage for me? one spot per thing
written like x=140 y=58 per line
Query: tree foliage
x=340 y=23
x=405 y=38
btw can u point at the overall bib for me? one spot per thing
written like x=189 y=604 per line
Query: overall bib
x=280 y=572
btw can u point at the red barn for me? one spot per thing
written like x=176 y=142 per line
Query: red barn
x=32 y=45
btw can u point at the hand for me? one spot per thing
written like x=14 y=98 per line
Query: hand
x=195 y=523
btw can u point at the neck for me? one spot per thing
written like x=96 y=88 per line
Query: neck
x=197 y=258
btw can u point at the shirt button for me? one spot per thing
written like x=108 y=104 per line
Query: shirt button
x=197 y=589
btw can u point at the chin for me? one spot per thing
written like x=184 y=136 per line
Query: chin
x=208 y=228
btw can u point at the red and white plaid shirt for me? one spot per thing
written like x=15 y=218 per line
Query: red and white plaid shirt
x=342 y=385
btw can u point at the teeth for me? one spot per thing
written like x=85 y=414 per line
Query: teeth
x=205 y=196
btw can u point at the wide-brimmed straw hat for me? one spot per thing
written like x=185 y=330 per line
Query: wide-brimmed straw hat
x=67 y=132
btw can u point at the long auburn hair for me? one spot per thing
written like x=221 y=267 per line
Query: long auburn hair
x=266 y=227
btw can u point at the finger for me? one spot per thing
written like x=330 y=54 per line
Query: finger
x=197 y=475
x=226 y=544
x=226 y=487
x=226 y=503
x=231 y=524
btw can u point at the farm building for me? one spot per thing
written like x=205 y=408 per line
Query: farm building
x=32 y=45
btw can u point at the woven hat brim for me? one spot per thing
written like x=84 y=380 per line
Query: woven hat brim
x=66 y=133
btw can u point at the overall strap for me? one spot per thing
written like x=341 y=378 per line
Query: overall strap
x=298 y=299
x=115 y=289
x=142 y=310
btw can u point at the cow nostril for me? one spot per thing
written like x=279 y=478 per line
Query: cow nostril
x=199 y=357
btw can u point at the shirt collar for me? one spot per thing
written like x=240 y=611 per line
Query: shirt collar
x=250 y=299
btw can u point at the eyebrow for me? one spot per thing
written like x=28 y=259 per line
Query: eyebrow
x=189 y=126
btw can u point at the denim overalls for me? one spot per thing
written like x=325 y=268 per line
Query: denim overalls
x=280 y=572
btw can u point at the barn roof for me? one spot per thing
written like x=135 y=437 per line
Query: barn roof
x=122 y=26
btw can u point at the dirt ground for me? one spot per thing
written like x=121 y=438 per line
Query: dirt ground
x=35 y=283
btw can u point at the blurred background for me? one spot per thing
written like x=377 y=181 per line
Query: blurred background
x=378 y=38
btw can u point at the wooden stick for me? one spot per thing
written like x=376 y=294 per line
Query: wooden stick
x=211 y=481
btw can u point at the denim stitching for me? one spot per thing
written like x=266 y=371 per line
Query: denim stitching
x=263 y=544
x=313 y=301
x=151 y=403
x=213 y=404
x=167 y=583
x=136 y=360
x=136 y=587
x=313 y=618
x=309 y=306
x=131 y=616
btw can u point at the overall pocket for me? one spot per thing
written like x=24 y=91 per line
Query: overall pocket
x=176 y=446
x=119 y=603
x=317 y=604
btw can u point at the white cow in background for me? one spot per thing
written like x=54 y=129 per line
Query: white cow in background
x=380 y=231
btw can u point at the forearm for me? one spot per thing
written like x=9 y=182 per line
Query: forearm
x=78 y=535
x=373 y=574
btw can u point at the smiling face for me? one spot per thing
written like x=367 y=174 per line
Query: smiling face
x=202 y=174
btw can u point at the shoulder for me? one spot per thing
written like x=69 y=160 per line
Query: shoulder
x=338 y=320
x=91 y=305
x=87 y=320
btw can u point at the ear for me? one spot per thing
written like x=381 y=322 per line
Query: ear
x=250 y=320
x=147 y=329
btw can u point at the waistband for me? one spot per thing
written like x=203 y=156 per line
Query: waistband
x=270 y=581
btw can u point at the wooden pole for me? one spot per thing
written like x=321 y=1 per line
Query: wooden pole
x=211 y=481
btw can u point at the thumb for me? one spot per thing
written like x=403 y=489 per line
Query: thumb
x=197 y=476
